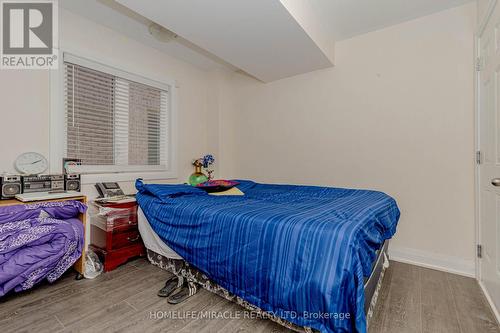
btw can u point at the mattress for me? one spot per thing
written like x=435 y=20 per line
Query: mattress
x=155 y=244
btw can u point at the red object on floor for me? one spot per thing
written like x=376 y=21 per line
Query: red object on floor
x=114 y=234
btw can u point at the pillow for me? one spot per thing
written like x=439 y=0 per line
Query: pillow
x=217 y=185
x=231 y=191
x=164 y=192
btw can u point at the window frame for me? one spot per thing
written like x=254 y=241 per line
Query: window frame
x=94 y=174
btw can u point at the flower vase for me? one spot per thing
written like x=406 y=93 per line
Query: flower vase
x=197 y=177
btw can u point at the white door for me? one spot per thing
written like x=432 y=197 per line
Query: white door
x=489 y=145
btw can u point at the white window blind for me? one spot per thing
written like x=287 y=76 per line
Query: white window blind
x=114 y=124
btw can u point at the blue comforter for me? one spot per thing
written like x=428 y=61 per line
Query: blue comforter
x=299 y=252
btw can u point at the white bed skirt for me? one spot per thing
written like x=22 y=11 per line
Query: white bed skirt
x=151 y=239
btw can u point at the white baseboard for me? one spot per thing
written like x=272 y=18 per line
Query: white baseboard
x=433 y=260
x=490 y=301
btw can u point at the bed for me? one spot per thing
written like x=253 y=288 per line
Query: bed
x=38 y=241
x=272 y=250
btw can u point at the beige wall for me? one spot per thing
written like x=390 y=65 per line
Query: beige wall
x=482 y=6
x=25 y=94
x=24 y=117
x=396 y=114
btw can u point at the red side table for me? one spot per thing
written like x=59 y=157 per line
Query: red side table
x=114 y=233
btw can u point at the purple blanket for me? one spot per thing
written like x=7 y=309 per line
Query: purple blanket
x=38 y=241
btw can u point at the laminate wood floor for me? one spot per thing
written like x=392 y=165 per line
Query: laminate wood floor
x=412 y=299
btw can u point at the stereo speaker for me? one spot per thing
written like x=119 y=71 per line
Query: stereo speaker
x=10 y=186
x=72 y=182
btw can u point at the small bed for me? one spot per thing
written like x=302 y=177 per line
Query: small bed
x=176 y=221
x=38 y=241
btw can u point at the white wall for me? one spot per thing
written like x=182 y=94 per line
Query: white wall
x=396 y=114
x=482 y=6
x=25 y=94
x=24 y=118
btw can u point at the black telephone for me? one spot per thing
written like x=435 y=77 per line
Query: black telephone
x=107 y=190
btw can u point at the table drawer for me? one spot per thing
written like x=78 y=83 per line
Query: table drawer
x=126 y=238
x=116 y=238
x=122 y=221
x=112 y=259
x=108 y=218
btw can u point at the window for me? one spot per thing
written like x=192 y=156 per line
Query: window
x=115 y=121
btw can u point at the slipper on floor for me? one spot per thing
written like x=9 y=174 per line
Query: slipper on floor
x=170 y=286
x=187 y=290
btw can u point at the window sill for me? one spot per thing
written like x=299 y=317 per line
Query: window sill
x=88 y=179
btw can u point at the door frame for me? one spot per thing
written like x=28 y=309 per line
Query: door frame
x=477 y=104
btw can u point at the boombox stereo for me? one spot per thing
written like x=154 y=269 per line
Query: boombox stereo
x=72 y=182
x=10 y=186
x=43 y=183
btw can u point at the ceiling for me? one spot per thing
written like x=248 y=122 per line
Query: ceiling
x=348 y=18
x=268 y=39
x=260 y=37
x=117 y=17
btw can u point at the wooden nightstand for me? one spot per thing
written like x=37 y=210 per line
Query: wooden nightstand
x=114 y=234
x=79 y=266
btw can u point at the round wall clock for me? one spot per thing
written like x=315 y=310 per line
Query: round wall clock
x=31 y=164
